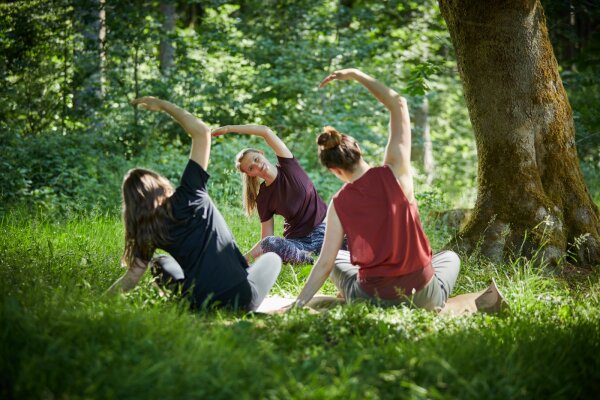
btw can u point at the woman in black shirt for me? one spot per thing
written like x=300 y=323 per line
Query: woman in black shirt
x=185 y=222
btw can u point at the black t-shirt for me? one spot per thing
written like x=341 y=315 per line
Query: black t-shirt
x=203 y=245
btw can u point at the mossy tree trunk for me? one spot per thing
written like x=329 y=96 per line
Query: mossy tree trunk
x=531 y=198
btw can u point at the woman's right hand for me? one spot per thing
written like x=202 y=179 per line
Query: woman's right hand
x=149 y=103
x=220 y=131
x=340 y=75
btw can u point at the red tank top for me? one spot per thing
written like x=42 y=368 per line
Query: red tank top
x=385 y=237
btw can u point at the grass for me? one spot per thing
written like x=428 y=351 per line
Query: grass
x=60 y=338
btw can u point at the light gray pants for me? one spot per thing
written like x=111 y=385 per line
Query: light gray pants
x=261 y=275
x=446 y=265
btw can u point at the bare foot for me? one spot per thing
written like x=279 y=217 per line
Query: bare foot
x=491 y=300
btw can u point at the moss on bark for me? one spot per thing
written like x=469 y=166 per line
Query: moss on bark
x=532 y=198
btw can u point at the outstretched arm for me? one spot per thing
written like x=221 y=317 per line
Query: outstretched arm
x=130 y=279
x=265 y=132
x=334 y=236
x=397 y=151
x=194 y=127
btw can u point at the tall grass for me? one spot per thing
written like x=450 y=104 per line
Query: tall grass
x=61 y=338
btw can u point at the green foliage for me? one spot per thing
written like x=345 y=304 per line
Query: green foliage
x=238 y=62
x=241 y=62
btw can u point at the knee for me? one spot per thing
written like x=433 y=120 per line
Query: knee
x=455 y=259
x=270 y=243
x=273 y=261
x=166 y=270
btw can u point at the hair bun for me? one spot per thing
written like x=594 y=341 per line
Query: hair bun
x=329 y=138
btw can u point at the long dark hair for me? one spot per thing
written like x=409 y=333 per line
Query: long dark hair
x=146 y=207
x=338 y=150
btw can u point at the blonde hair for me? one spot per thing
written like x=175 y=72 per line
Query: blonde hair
x=250 y=184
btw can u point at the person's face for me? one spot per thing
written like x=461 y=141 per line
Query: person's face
x=254 y=164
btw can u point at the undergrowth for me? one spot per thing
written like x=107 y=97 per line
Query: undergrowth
x=62 y=338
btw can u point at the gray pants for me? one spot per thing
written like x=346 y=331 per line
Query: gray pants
x=446 y=265
x=261 y=275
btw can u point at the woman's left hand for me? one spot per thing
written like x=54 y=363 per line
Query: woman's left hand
x=149 y=103
x=340 y=75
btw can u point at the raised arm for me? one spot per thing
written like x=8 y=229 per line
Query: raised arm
x=194 y=127
x=265 y=132
x=397 y=151
x=334 y=236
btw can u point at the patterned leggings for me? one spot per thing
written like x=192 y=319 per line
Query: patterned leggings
x=296 y=250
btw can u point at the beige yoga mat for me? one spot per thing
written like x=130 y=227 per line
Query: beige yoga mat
x=458 y=305
x=273 y=304
x=463 y=304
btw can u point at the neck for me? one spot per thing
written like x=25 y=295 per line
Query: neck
x=270 y=174
x=359 y=171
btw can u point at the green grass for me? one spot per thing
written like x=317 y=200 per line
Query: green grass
x=60 y=338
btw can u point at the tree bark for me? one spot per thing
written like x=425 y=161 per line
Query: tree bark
x=102 y=40
x=87 y=80
x=422 y=148
x=167 y=51
x=532 y=199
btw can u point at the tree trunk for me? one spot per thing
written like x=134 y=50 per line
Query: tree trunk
x=532 y=199
x=422 y=148
x=166 y=51
x=87 y=81
x=102 y=40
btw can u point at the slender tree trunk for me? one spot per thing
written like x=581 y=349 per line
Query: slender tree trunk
x=87 y=82
x=422 y=148
x=102 y=43
x=531 y=199
x=65 y=89
x=136 y=83
x=167 y=51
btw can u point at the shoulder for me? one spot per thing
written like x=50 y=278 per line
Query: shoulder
x=194 y=177
x=288 y=161
x=383 y=172
x=341 y=194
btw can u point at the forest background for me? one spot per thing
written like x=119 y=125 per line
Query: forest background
x=70 y=68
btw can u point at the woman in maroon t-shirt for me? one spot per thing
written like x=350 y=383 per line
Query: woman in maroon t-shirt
x=389 y=259
x=285 y=190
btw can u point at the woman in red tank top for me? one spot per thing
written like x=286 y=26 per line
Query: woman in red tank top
x=389 y=259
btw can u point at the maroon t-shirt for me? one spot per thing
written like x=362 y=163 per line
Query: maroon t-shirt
x=293 y=196
x=385 y=237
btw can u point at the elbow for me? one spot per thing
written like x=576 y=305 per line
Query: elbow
x=397 y=102
x=204 y=130
x=268 y=132
x=397 y=99
x=201 y=134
